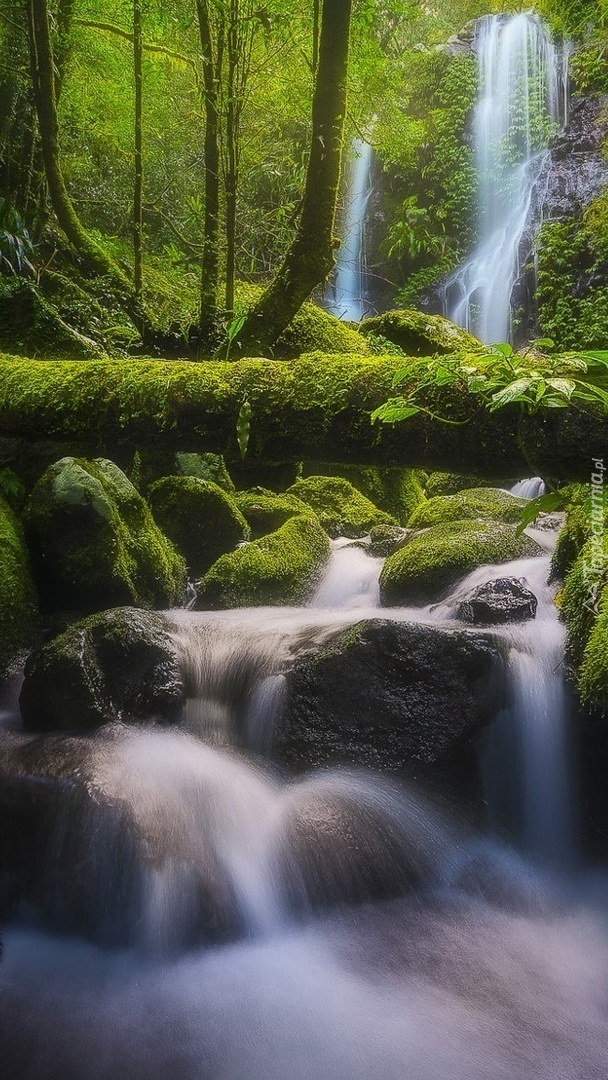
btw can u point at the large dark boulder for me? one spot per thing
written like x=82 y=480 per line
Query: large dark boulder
x=18 y=601
x=499 y=601
x=118 y=665
x=387 y=694
x=95 y=543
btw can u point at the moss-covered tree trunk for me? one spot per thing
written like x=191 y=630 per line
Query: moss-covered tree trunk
x=138 y=217
x=311 y=257
x=212 y=60
x=42 y=62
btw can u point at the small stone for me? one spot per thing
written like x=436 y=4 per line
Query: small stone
x=502 y=600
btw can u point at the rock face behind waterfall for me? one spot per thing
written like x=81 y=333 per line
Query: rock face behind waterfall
x=388 y=694
x=577 y=169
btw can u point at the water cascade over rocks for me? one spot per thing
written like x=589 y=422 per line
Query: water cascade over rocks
x=346 y=294
x=522 y=101
x=362 y=929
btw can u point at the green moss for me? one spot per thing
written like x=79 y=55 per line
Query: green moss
x=18 y=602
x=310 y=330
x=281 y=568
x=266 y=512
x=95 y=541
x=201 y=519
x=205 y=467
x=433 y=561
x=443 y=483
x=575 y=533
x=418 y=334
x=572 y=292
x=31 y=326
x=341 y=509
x=476 y=503
x=394 y=489
x=593 y=674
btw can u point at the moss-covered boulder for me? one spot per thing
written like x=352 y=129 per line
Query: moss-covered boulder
x=395 y=490
x=30 y=326
x=419 y=334
x=119 y=665
x=440 y=483
x=281 y=568
x=265 y=511
x=341 y=509
x=205 y=467
x=434 y=560
x=593 y=672
x=18 y=601
x=483 y=504
x=95 y=543
x=387 y=694
x=201 y=519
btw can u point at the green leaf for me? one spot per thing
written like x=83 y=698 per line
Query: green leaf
x=243 y=427
x=513 y=392
x=544 y=504
x=563 y=386
x=502 y=348
x=393 y=411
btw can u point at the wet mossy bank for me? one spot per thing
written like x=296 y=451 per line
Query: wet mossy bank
x=315 y=408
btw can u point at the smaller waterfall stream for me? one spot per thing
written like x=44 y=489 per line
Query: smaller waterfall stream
x=346 y=294
x=523 y=96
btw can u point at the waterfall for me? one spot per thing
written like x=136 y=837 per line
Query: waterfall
x=345 y=296
x=522 y=98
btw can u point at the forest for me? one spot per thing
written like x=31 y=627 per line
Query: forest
x=304 y=539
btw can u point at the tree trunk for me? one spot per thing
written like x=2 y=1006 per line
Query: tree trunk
x=92 y=255
x=308 y=408
x=230 y=182
x=212 y=62
x=310 y=258
x=138 y=221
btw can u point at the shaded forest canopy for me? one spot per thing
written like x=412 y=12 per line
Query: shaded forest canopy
x=184 y=134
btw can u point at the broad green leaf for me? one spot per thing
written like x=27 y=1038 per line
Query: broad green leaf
x=563 y=386
x=544 y=504
x=512 y=392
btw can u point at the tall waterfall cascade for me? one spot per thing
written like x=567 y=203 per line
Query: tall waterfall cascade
x=346 y=293
x=522 y=101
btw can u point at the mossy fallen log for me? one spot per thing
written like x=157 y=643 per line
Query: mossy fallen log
x=317 y=407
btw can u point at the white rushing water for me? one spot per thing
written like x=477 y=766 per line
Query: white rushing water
x=360 y=929
x=529 y=489
x=346 y=294
x=522 y=98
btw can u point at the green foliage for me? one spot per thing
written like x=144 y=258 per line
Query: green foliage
x=18 y=602
x=16 y=247
x=501 y=377
x=572 y=292
x=281 y=568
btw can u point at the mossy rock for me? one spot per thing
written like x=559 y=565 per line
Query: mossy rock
x=18 y=601
x=119 y=665
x=443 y=483
x=205 y=467
x=395 y=490
x=593 y=672
x=95 y=543
x=385 y=539
x=30 y=326
x=418 y=334
x=433 y=561
x=575 y=533
x=266 y=512
x=490 y=504
x=201 y=519
x=341 y=509
x=311 y=330
x=281 y=568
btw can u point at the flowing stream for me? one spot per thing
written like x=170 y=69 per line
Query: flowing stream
x=339 y=924
x=522 y=99
x=346 y=294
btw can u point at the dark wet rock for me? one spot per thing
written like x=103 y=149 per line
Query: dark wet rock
x=502 y=600
x=118 y=665
x=577 y=170
x=385 y=539
x=387 y=694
